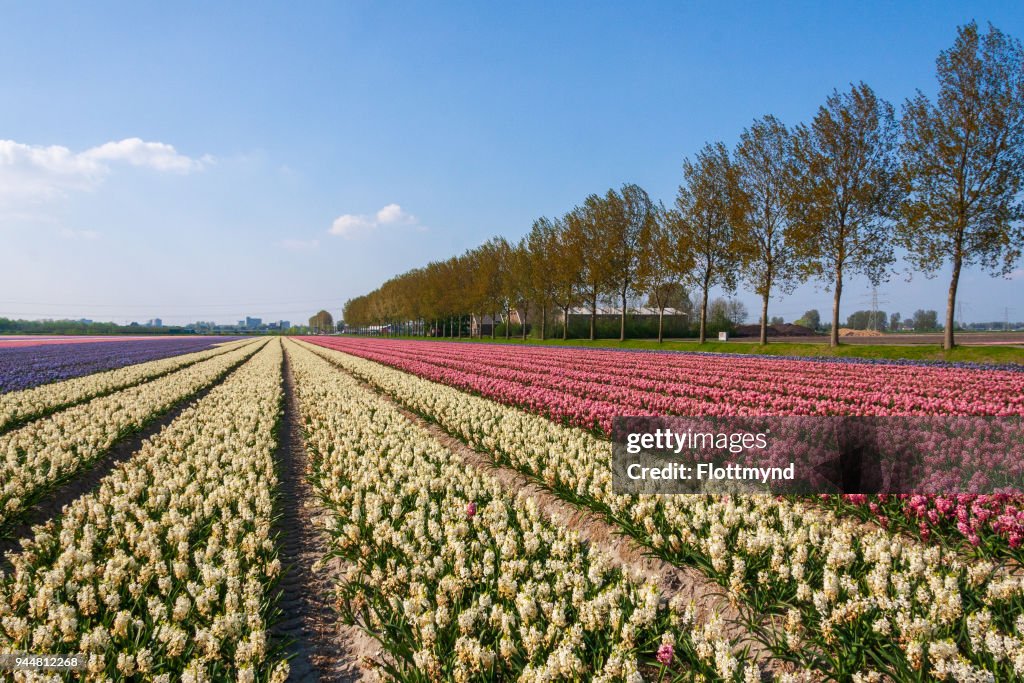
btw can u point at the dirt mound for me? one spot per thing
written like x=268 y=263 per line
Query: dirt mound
x=783 y=330
x=847 y=332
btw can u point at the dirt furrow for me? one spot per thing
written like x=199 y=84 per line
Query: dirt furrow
x=320 y=646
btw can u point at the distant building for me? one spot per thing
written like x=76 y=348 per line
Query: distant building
x=481 y=326
x=155 y=322
x=283 y=324
x=253 y=323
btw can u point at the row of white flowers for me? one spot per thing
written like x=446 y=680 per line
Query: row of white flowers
x=42 y=453
x=849 y=600
x=164 y=572
x=460 y=580
x=21 y=406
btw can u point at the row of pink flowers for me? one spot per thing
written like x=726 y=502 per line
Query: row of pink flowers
x=589 y=388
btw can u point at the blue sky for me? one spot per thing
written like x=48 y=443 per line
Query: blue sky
x=214 y=160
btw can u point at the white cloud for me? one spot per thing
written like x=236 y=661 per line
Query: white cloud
x=351 y=225
x=158 y=156
x=36 y=172
x=392 y=213
x=300 y=245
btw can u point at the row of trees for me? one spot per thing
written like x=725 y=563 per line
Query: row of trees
x=824 y=200
x=321 y=323
x=12 y=326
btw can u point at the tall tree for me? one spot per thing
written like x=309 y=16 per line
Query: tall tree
x=540 y=244
x=586 y=224
x=727 y=313
x=925 y=321
x=503 y=253
x=524 y=283
x=321 y=322
x=665 y=261
x=811 y=319
x=764 y=166
x=567 y=264
x=705 y=221
x=963 y=162
x=492 y=274
x=629 y=215
x=846 y=191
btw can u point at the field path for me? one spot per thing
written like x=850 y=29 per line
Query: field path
x=321 y=647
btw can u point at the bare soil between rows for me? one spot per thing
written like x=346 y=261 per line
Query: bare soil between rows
x=319 y=646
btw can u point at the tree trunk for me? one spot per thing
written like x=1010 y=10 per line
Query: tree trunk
x=947 y=338
x=661 y=325
x=593 y=315
x=764 y=319
x=703 y=335
x=494 y=324
x=458 y=321
x=544 y=322
x=565 y=323
x=524 y=322
x=508 y=323
x=622 y=318
x=834 y=337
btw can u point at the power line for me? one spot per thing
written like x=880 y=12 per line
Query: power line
x=875 y=302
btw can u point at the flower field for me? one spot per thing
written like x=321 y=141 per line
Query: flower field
x=26 y=405
x=463 y=581
x=168 y=567
x=44 y=452
x=588 y=388
x=28 y=364
x=164 y=572
x=842 y=594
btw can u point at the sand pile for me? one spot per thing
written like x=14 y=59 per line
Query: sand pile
x=847 y=332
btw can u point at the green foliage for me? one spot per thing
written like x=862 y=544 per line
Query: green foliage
x=866 y=320
x=75 y=327
x=963 y=161
x=673 y=296
x=926 y=321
